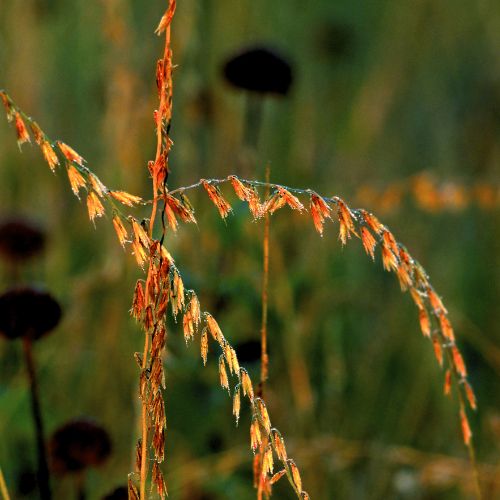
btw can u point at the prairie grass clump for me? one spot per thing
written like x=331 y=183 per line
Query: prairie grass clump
x=141 y=226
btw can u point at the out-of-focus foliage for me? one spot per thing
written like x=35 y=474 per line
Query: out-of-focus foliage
x=383 y=91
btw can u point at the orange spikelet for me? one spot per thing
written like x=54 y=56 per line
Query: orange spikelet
x=254 y=204
x=166 y=18
x=446 y=327
x=9 y=109
x=97 y=185
x=278 y=476
x=182 y=208
x=139 y=301
x=279 y=446
x=346 y=221
x=458 y=361
x=255 y=435
x=404 y=270
x=139 y=233
x=242 y=192
x=435 y=301
x=295 y=474
x=471 y=398
x=49 y=154
x=264 y=415
x=447 y=383
x=204 y=346
x=172 y=220
x=466 y=432
x=224 y=381
x=126 y=198
x=69 y=153
x=390 y=242
x=425 y=324
x=319 y=212
x=268 y=462
x=274 y=203
x=415 y=295
x=372 y=221
x=76 y=180
x=234 y=362
x=188 y=326
x=368 y=241
x=94 y=206
x=120 y=230
x=21 y=130
x=194 y=308
x=215 y=195
x=291 y=200
x=389 y=260
x=438 y=351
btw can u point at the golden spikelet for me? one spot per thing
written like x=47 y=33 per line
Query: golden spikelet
x=76 y=180
x=138 y=301
x=49 y=154
x=295 y=474
x=268 y=462
x=126 y=198
x=120 y=230
x=97 y=185
x=436 y=303
x=94 y=206
x=346 y=221
x=246 y=384
x=166 y=18
x=279 y=445
x=264 y=416
x=224 y=382
x=242 y=192
x=214 y=329
x=255 y=435
x=204 y=346
x=69 y=153
x=237 y=403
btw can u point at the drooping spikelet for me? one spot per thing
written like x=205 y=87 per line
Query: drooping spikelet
x=215 y=195
x=76 y=180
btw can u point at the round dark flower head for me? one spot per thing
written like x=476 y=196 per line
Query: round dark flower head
x=261 y=70
x=78 y=444
x=28 y=312
x=20 y=239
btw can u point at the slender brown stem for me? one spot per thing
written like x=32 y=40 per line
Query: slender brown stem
x=265 y=285
x=144 y=421
x=264 y=362
x=43 y=469
x=159 y=144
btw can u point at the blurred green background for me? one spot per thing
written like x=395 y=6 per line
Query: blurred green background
x=383 y=92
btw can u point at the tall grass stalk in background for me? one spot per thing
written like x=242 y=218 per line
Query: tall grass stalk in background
x=162 y=287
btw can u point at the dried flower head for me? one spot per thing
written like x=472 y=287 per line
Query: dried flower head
x=28 y=312
x=79 y=444
x=20 y=239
